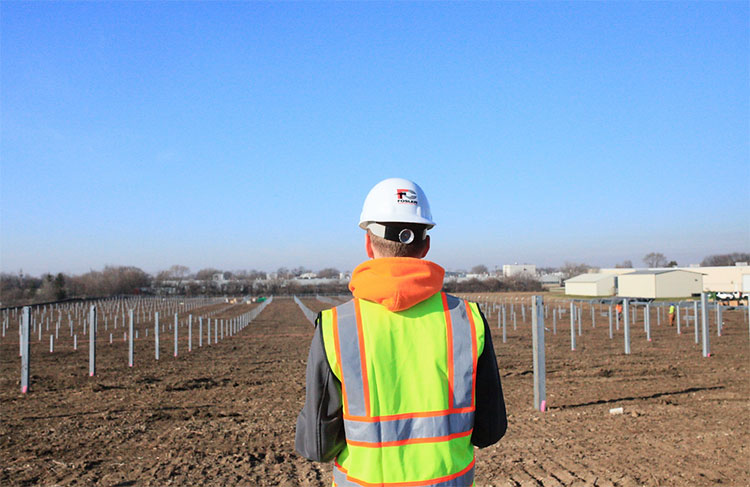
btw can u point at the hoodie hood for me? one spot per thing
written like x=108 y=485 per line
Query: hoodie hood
x=397 y=283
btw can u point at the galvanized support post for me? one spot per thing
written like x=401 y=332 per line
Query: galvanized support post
x=156 y=335
x=593 y=316
x=504 y=316
x=130 y=337
x=25 y=336
x=200 y=331
x=704 y=323
x=610 y=322
x=176 y=327
x=554 y=321
x=537 y=337
x=190 y=333
x=572 y=327
x=647 y=321
x=626 y=325
x=695 y=318
x=718 y=319
x=677 y=309
x=523 y=313
x=92 y=341
x=579 y=312
x=505 y=334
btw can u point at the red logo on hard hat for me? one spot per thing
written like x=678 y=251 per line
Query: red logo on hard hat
x=406 y=196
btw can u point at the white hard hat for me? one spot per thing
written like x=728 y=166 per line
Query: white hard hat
x=396 y=200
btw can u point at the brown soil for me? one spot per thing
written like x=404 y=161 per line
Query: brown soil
x=225 y=414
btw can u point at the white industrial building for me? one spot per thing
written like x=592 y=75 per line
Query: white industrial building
x=662 y=283
x=510 y=270
x=592 y=284
x=728 y=279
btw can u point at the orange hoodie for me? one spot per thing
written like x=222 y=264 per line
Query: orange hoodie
x=397 y=283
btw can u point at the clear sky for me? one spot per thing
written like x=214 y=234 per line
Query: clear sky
x=246 y=135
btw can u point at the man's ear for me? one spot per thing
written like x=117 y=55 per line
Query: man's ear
x=368 y=246
x=426 y=246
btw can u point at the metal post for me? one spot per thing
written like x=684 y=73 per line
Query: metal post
x=579 y=312
x=25 y=336
x=593 y=316
x=176 y=327
x=208 y=338
x=704 y=323
x=130 y=338
x=718 y=319
x=677 y=309
x=200 y=331
x=610 y=322
x=92 y=341
x=156 y=335
x=554 y=321
x=505 y=335
x=503 y=316
x=537 y=336
x=190 y=333
x=695 y=318
x=626 y=325
x=647 y=321
x=572 y=327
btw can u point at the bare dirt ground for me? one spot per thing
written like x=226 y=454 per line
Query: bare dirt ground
x=225 y=414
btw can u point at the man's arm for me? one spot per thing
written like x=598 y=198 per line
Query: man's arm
x=320 y=425
x=490 y=421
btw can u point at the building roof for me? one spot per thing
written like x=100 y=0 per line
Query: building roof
x=590 y=277
x=657 y=271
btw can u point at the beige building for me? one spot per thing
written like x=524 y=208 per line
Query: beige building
x=662 y=283
x=592 y=284
x=728 y=279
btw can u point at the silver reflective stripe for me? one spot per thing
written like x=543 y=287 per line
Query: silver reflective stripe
x=385 y=431
x=465 y=480
x=463 y=360
x=350 y=358
x=409 y=428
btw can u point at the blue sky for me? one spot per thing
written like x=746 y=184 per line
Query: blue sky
x=246 y=135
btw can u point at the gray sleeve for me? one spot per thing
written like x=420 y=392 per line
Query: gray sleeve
x=490 y=419
x=320 y=424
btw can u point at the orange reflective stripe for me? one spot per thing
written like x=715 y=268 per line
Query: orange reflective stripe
x=421 y=414
x=449 y=338
x=470 y=313
x=337 y=347
x=362 y=357
x=417 y=483
x=410 y=441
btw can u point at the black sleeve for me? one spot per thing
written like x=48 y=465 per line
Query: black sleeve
x=320 y=424
x=490 y=421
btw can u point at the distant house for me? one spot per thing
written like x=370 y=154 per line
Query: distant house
x=661 y=283
x=591 y=284
x=510 y=270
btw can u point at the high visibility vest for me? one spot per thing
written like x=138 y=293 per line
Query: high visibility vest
x=671 y=309
x=408 y=389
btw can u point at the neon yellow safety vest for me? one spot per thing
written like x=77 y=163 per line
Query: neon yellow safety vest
x=408 y=389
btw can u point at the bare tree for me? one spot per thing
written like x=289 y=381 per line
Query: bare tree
x=655 y=259
x=328 y=273
x=725 y=259
x=572 y=269
x=480 y=269
x=626 y=264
